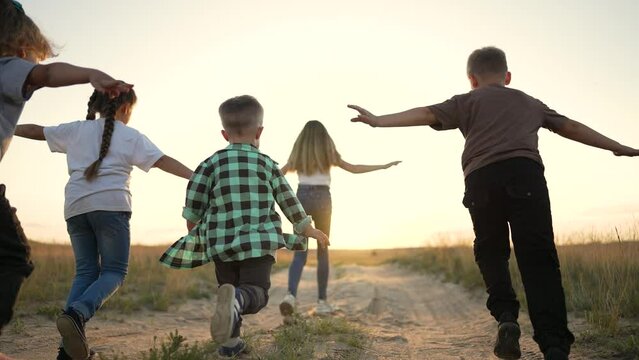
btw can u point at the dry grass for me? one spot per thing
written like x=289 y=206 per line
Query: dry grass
x=599 y=279
x=148 y=283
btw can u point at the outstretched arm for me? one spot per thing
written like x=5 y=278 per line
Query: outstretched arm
x=360 y=169
x=63 y=74
x=412 y=117
x=579 y=132
x=174 y=167
x=30 y=131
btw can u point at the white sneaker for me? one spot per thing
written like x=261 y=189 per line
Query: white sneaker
x=287 y=306
x=323 y=308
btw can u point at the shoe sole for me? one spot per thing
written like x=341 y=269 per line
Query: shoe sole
x=286 y=309
x=507 y=346
x=73 y=341
x=222 y=321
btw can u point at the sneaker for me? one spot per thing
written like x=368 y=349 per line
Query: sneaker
x=227 y=314
x=287 y=306
x=71 y=327
x=323 y=308
x=507 y=344
x=555 y=353
x=232 y=350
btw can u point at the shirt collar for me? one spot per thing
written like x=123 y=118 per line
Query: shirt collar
x=243 y=147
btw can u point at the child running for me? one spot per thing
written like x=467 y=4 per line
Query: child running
x=97 y=206
x=505 y=185
x=22 y=47
x=313 y=155
x=231 y=218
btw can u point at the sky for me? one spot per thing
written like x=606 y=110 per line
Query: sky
x=306 y=60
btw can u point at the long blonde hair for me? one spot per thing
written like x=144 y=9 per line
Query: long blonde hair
x=19 y=33
x=314 y=150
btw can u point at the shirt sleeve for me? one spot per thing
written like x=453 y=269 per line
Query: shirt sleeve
x=145 y=153
x=288 y=202
x=58 y=137
x=552 y=119
x=13 y=76
x=197 y=193
x=447 y=114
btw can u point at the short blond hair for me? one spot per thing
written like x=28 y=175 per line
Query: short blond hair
x=18 y=33
x=314 y=150
x=240 y=113
x=488 y=60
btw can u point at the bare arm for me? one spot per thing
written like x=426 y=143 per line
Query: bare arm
x=360 y=169
x=63 y=74
x=30 y=131
x=579 y=132
x=174 y=167
x=412 y=117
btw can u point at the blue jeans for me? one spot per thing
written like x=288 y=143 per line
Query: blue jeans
x=316 y=201
x=100 y=241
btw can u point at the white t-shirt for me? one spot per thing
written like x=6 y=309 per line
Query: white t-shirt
x=109 y=191
x=317 y=178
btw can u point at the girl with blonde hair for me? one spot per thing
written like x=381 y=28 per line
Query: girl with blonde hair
x=313 y=155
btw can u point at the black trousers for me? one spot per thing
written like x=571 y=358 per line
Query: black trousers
x=15 y=260
x=252 y=277
x=514 y=192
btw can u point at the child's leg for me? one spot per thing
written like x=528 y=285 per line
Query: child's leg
x=15 y=263
x=322 y=221
x=85 y=251
x=295 y=270
x=111 y=231
x=254 y=283
x=252 y=280
x=484 y=198
x=533 y=240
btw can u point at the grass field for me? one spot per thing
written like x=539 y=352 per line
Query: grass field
x=600 y=281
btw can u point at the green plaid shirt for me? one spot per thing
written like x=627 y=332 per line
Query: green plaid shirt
x=231 y=196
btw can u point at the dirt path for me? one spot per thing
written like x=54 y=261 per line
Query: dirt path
x=408 y=316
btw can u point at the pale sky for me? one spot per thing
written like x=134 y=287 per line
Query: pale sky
x=307 y=60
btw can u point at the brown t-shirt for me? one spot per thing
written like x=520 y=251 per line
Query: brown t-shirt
x=497 y=122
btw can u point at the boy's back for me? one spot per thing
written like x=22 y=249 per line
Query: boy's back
x=497 y=122
x=234 y=192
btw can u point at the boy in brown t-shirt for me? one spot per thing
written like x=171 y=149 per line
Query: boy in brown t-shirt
x=505 y=185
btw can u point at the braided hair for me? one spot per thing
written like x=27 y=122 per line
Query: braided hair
x=101 y=103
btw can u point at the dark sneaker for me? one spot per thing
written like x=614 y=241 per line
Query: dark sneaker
x=71 y=328
x=507 y=344
x=226 y=314
x=555 y=353
x=232 y=351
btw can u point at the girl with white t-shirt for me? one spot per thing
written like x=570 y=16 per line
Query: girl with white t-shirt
x=313 y=155
x=100 y=157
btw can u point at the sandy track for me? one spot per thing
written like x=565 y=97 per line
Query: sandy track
x=407 y=316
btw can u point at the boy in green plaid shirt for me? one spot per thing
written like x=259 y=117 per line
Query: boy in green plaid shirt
x=231 y=217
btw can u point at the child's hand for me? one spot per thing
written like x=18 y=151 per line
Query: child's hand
x=106 y=84
x=364 y=116
x=626 y=151
x=322 y=239
x=393 y=163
